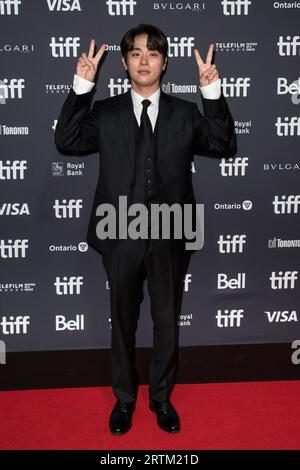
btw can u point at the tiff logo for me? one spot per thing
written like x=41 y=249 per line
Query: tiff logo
x=64 y=47
x=8 y=89
x=12 y=170
x=181 y=47
x=9 y=7
x=236 y=7
x=13 y=248
x=121 y=7
x=233 y=167
x=68 y=287
x=230 y=318
x=289 y=46
x=2 y=352
x=287 y=126
x=120 y=87
x=232 y=244
x=235 y=87
x=15 y=325
x=67 y=209
x=187 y=281
x=287 y=205
x=283 y=280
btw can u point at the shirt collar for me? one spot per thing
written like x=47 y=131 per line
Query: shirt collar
x=137 y=98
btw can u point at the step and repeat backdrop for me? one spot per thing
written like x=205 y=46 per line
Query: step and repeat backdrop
x=243 y=285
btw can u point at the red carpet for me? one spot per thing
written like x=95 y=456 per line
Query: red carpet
x=248 y=415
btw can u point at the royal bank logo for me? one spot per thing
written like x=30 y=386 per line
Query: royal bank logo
x=67 y=169
x=242 y=127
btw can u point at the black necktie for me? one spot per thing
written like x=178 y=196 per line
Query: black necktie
x=146 y=127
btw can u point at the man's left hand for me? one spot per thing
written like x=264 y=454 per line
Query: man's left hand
x=208 y=72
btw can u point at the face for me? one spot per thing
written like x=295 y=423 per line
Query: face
x=144 y=66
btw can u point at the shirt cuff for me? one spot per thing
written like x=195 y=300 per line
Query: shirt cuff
x=81 y=85
x=212 y=91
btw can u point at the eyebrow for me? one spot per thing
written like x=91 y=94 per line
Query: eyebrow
x=139 y=49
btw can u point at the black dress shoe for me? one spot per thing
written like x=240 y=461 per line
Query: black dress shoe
x=121 y=417
x=167 y=417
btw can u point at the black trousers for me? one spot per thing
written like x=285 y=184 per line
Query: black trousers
x=164 y=264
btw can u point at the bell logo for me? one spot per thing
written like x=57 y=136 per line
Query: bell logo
x=61 y=324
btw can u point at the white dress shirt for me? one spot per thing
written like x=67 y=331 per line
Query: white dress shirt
x=211 y=92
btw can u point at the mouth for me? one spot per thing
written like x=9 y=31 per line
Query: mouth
x=143 y=72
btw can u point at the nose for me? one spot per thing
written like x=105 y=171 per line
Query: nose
x=144 y=59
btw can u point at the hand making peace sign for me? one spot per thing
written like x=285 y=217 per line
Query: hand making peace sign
x=87 y=65
x=208 y=73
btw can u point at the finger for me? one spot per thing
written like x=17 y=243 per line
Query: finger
x=207 y=72
x=92 y=48
x=214 y=75
x=198 y=57
x=209 y=54
x=99 y=54
x=85 y=59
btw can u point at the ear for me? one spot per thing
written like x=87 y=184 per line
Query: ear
x=124 y=63
x=165 y=64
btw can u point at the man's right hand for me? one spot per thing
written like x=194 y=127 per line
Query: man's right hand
x=87 y=65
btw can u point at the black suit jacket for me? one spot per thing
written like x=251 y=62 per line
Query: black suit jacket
x=108 y=128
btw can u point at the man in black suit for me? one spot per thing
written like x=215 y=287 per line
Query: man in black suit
x=146 y=140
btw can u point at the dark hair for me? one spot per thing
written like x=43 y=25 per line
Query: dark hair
x=156 y=39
